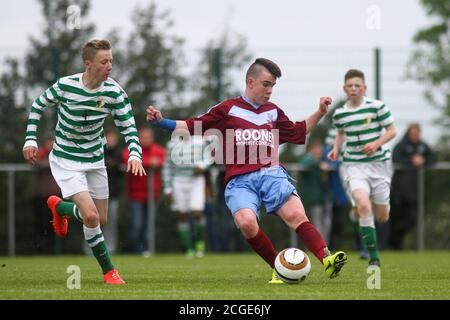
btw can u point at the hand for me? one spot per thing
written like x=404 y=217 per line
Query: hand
x=332 y=155
x=418 y=160
x=30 y=153
x=153 y=114
x=324 y=166
x=324 y=103
x=136 y=168
x=370 y=148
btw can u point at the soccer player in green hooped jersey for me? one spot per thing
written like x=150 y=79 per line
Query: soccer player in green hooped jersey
x=365 y=125
x=84 y=100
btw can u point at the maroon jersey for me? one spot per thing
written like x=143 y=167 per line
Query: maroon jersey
x=250 y=136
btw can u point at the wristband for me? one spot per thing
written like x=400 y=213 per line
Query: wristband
x=165 y=124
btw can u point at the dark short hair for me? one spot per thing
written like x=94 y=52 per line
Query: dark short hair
x=90 y=48
x=261 y=64
x=354 y=73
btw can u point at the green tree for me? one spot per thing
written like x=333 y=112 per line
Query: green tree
x=430 y=63
x=151 y=62
x=221 y=62
x=57 y=52
x=11 y=107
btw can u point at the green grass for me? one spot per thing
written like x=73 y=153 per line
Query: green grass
x=405 y=275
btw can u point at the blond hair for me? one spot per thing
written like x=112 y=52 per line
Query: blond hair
x=90 y=48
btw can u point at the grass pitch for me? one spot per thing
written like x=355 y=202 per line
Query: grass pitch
x=404 y=275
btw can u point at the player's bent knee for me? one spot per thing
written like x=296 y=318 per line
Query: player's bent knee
x=364 y=209
x=91 y=219
x=247 y=224
x=295 y=218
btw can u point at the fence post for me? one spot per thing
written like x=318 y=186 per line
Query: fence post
x=421 y=209
x=150 y=212
x=11 y=215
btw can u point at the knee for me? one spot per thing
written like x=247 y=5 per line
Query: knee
x=91 y=219
x=364 y=209
x=248 y=226
x=295 y=218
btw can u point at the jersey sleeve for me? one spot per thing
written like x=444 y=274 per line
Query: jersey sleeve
x=384 y=116
x=289 y=131
x=213 y=119
x=51 y=97
x=124 y=121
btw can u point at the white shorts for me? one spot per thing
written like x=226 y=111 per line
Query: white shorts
x=188 y=194
x=73 y=177
x=373 y=177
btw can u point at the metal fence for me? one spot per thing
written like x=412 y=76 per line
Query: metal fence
x=295 y=169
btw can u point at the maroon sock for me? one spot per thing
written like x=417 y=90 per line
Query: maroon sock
x=264 y=247
x=312 y=239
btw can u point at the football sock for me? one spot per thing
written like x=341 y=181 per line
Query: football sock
x=264 y=247
x=199 y=234
x=313 y=240
x=95 y=240
x=199 y=230
x=66 y=208
x=185 y=236
x=369 y=236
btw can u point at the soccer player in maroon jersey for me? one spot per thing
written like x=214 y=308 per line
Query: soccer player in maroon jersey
x=251 y=129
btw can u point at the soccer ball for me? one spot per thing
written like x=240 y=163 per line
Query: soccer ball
x=292 y=265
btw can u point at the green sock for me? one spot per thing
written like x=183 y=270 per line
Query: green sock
x=95 y=240
x=185 y=236
x=369 y=239
x=199 y=231
x=66 y=208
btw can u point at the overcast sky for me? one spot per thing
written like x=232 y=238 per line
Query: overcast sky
x=314 y=42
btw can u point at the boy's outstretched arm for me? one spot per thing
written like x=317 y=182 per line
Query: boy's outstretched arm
x=313 y=119
x=154 y=116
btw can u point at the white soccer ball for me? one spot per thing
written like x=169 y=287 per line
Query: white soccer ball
x=292 y=265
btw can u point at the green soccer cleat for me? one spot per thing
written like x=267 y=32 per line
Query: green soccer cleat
x=334 y=263
x=275 y=279
x=200 y=249
x=190 y=254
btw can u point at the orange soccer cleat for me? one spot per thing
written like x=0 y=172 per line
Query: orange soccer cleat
x=113 y=277
x=60 y=223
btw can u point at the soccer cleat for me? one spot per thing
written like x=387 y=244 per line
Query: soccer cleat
x=60 y=223
x=190 y=254
x=334 y=263
x=375 y=263
x=200 y=249
x=364 y=255
x=275 y=279
x=113 y=277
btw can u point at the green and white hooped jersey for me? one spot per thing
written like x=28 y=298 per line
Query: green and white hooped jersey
x=81 y=113
x=362 y=125
x=182 y=157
